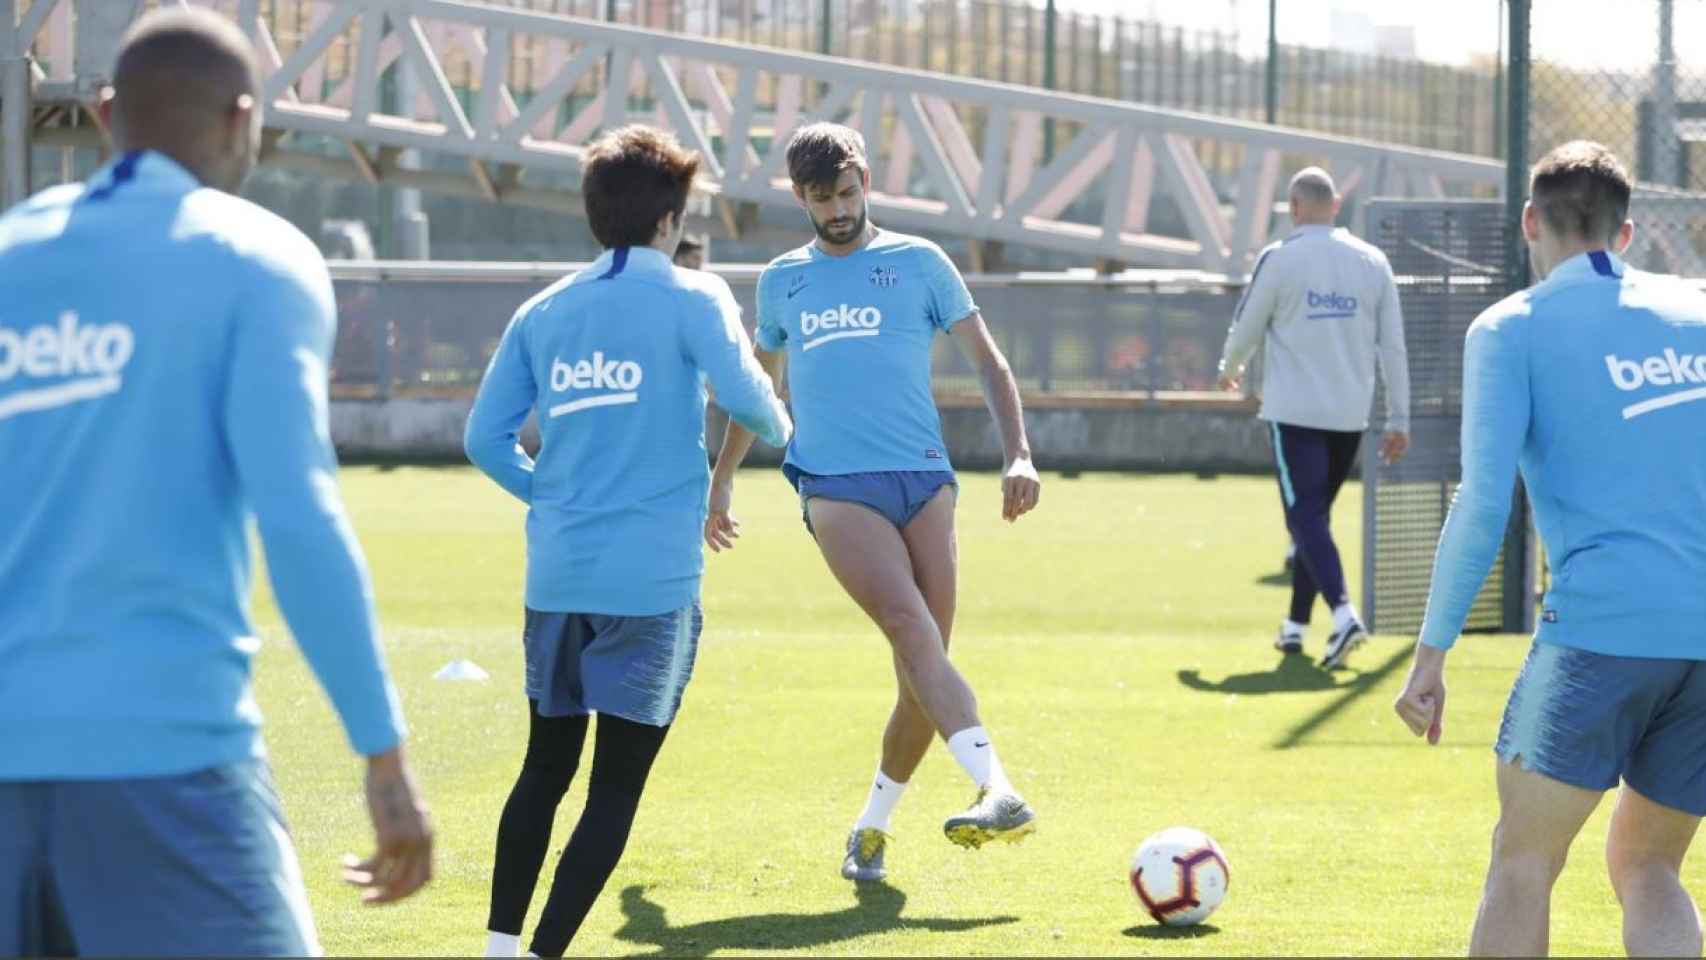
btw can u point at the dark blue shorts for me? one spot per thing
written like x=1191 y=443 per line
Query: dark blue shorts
x=195 y=864
x=1590 y=719
x=897 y=495
x=635 y=668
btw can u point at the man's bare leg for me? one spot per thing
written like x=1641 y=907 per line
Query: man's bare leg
x=1539 y=817
x=1644 y=854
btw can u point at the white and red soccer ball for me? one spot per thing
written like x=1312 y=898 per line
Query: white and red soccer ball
x=1179 y=875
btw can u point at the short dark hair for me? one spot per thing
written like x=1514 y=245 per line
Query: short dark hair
x=1582 y=189
x=818 y=153
x=633 y=177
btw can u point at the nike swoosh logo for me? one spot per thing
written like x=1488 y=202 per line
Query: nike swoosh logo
x=983 y=744
x=794 y=291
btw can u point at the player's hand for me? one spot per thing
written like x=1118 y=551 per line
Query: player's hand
x=1422 y=704
x=403 y=862
x=1020 y=489
x=1393 y=446
x=1230 y=382
x=721 y=528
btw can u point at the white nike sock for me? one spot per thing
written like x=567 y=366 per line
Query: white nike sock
x=975 y=752
x=502 y=944
x=1293 y=628
x=1344 y=615
x=879 y=805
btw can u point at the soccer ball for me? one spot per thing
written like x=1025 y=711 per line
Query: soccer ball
x=1180 y=876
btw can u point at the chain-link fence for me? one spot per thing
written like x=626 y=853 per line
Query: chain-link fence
x=1632 y=77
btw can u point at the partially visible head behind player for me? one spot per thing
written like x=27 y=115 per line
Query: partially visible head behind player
x=636 y=181
x=1314 y=198
x=1578 y=200
x=826 y=162
x=187 y=84
x=690 y=253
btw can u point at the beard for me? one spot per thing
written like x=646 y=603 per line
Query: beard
x=843 y=231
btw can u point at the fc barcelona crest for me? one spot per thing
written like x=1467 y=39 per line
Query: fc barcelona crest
x=884 y=276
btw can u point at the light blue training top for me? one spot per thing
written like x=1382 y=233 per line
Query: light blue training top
x=613 y=360
x=1593 y=383
x=859 y=330
x=163 y=377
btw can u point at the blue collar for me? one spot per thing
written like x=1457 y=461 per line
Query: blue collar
x=618 y=260
x=1601 y=263
x=149 y=169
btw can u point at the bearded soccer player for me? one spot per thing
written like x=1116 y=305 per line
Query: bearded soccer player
x=852 y=316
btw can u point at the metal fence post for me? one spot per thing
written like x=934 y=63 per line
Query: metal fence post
x=1518 y=571
x=1272 y=100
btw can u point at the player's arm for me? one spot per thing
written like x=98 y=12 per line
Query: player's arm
x=1394 y=371
x=770 y=354
x=492 y=437
x=718 y=345
x=1020 y=485
x=1496 y=414
x=1249 y=321
x=276 y=428
x=721 y=528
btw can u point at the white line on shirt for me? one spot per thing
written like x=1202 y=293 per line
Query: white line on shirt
x=1659 y=403
x=606 y=400
x=838 y=336
x=46 y=398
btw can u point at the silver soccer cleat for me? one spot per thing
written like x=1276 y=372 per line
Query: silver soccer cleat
x=864 y=860
x=994 y=816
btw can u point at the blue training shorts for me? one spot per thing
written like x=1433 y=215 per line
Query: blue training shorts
x=635 y=668
x=898 y=495
x=1589 y=719
x=196 y=864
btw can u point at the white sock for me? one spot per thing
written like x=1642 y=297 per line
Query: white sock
x=976 y=754
x=1344 y=615
x=502 y=944
x=879 y=805
x=1293 y=628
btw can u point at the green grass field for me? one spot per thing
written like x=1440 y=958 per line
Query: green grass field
x=1119 y=642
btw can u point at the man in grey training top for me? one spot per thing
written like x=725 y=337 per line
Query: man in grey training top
x=1324 y=307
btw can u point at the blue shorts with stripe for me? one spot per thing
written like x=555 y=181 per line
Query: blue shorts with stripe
x=898 y=495
x=635 y=668
x=1591 y=719
x=196 y=864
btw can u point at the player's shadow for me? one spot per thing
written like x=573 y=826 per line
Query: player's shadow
x=1295 y=673
x=877 y=911
x=1279 y=578
x=1154 y=931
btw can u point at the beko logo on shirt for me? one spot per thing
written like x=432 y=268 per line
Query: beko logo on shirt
x=1669 y=369
x=839 y=323
x=94 y=355
x=1331 y=305
x=597 y=373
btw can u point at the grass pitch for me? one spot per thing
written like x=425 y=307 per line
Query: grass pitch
x=1119 y=643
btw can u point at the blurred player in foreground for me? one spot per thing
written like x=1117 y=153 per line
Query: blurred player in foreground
x=163 y=357
x=1590 y=383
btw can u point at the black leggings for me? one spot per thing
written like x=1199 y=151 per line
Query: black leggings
x=622 y=758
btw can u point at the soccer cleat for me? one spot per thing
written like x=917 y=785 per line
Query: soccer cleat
x=864 y=860
x=1341 y=643
x=994 y=816
x=1289 y=641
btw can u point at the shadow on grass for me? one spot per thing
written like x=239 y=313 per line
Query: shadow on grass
x=1155 y=931
x=1295 y=673
x=877 y=911
x=1280 y=578
x=1363 y=683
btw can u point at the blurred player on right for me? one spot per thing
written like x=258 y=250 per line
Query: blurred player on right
x=1592 y=383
